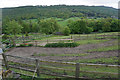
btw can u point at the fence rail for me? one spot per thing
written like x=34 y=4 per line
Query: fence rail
x=39 y=69
x=69 y=63
x=36 y=40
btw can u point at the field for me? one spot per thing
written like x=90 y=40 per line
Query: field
x=88 y=49
x=61 y=22
x=60 y=41
x=99 y=48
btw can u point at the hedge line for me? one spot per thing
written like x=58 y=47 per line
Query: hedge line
x=62 y=45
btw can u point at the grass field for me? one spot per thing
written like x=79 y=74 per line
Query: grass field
x=102 y=49
x=61 y=22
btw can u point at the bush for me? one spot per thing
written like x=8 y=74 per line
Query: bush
x=6 y=42
x=30 y=45
x=66 y=31
x=100 y=31
x=62 y=45
x=22 y=45
x=25 y=45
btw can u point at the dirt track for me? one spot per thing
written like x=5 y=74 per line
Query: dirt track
x=29 y=51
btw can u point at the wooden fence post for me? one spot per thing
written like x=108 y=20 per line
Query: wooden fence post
x=65 y=73
x=71 y=37
x=77 y=72
x=87 y=36
x=5 y=61
x=47 y=40
x=95 y=36
x=104 y=35
x=37 y=66
x=36 y=43
x=13 y=40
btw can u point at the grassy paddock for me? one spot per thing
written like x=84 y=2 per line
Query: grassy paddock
x=62 y=45
x=110 y=60
x=90 y=41
x=102 y=49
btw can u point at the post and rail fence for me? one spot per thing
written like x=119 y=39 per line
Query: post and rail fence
x=52 y=68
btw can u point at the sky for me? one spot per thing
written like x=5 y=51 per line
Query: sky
x=16 y=3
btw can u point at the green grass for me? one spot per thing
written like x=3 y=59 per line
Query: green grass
x=90 y=41
x=65 y=22
x=55 y=37
x=76 y=54
x=30 y=74
x=82 y=68
x=110 y=60
x=102 y=49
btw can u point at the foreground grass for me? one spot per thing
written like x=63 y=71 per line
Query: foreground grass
x=82 y=74
x=102 y=49
x=30 y=74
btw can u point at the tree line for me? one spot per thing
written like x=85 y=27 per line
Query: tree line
x=51 y=26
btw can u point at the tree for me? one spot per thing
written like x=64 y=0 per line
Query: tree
x=4 y=24
x=73 y=27
x=66 y=31
x=25 y=29
x=13 y=28
x=79 y=26
x=49 y=26
x=91 y=24
x=82 y=26
x=106 y=27
x=44 y=27
x=88 y=30
x=98 y=25
x=115 y=25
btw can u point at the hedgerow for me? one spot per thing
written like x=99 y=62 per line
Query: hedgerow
x=62 y=45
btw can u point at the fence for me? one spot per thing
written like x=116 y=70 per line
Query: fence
x=36 y=39
x=74 y=38
x=36 y=67
x=96 y=36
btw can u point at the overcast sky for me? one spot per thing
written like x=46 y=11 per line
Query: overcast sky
x=16 y=3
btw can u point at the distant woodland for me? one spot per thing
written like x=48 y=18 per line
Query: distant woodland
x=59 y=11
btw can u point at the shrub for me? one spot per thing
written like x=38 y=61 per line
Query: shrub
x=22 y=45
x=25 y=45
x=30 y=45
x=66 y=31
x=61 y=45
x=100 y=31
x=6 y=42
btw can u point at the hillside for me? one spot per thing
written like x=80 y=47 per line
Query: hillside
x=59 y=11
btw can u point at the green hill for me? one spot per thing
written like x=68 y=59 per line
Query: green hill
x=59 y=11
